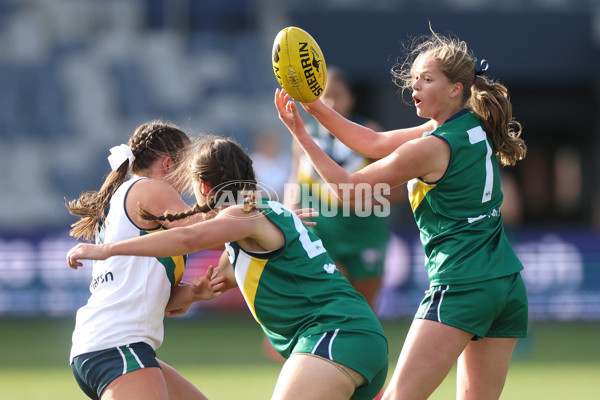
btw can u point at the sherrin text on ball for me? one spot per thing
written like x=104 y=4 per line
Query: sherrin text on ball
x=299 y=64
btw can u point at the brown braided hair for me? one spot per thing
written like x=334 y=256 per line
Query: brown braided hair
x=225 y=166
x=150 y=141
x=487 y=98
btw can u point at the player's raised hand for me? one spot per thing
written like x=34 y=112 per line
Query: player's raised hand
x=288 y=112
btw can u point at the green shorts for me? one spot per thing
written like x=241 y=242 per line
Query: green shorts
x=359 y=245
x=94 y=371
x=494 y=308
x=367 y=263
x=364 y=352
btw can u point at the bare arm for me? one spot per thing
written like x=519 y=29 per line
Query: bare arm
x=157 y=197
x=183 y=240
x=290 y=196
x=185 y=294
x=362 y=139
x=424 y=157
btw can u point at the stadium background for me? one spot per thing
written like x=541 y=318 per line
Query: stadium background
x=78 y=77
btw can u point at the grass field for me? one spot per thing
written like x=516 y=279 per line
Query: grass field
x=222 y=356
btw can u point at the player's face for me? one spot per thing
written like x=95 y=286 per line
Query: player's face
x=432 y=91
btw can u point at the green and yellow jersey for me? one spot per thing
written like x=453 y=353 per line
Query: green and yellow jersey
x=459 y=215
x=296 y=290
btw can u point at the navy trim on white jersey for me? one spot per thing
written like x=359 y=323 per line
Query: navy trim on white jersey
x=125 y=206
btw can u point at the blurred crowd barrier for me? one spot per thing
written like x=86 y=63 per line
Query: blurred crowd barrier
x=562 y=275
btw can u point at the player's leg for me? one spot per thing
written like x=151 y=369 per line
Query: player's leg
x=179 y=387
x=142 y=384
x=482 y=368
x=429 y=352
x=336 y=352
x=124 y=372
x=309 y=377
x=369 y=288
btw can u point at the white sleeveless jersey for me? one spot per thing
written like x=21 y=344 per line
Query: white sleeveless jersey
x=129 y=293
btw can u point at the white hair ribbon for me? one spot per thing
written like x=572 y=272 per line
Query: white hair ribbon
x=118 y=155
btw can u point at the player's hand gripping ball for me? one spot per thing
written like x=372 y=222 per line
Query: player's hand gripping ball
x=299 y=64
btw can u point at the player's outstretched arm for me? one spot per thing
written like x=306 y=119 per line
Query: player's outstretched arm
x=410 y=160
x=172 y=242
x=361 y=139
x=329 y=170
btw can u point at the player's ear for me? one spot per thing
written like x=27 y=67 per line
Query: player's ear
x=456 y=89
x=204 y=187
x=167 y=165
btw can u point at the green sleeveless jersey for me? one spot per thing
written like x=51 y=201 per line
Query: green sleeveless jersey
x=296 y=290
x=459 y=215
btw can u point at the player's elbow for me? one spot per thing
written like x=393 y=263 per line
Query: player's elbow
x=345 y=192
x=380 y=147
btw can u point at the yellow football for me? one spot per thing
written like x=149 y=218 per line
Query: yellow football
x=299 y=64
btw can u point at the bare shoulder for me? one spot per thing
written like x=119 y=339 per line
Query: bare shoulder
x=260 y=233
x=239 y=212
x=435 y=152
x=156 y=196
x=432 y=145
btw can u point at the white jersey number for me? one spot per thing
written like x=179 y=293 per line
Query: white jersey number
x=477 y=135
x=312 y=249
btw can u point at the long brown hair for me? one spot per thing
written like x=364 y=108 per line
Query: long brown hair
x=150 y=141
x=224 y=165
x=486 y=97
